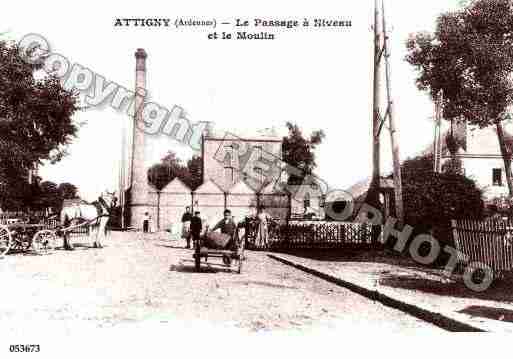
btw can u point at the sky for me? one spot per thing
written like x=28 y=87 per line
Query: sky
x=319 y=79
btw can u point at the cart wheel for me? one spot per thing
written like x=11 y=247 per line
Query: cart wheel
x=5 y=240
x=44 y=240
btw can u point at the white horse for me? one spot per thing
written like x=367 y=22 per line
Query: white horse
x=95 y=215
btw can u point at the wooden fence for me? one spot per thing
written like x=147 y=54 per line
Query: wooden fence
x=315 y=235
x=52 y=223
x=21 y=214
x=488 y=242
x=34 y=217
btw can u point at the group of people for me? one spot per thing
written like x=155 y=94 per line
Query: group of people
x=193 y=228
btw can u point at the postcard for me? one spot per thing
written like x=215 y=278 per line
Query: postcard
x=266 y=178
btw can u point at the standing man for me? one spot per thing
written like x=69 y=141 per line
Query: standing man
x=186 y=226
x=196 y=228
x=146 y=222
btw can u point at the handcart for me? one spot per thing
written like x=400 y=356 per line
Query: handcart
x=236 y=253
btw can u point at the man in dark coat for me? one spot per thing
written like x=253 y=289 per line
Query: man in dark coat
x=196 y=227
x=146 y=222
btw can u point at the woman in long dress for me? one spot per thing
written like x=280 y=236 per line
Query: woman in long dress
x=186 y=226
x=263 y=228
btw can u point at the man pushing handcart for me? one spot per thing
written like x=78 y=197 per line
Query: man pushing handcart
x=225 y=244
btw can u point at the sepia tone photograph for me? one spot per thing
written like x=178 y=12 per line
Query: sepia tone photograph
x=273 y=178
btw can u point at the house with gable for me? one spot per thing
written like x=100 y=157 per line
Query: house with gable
x=475 y=151
x=478 y=152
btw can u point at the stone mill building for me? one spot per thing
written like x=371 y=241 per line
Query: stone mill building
x=232 y=176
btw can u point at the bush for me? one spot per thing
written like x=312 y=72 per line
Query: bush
x=433 y=199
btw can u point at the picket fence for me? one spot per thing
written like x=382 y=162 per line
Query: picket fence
x=487 y=242
x=315 y=235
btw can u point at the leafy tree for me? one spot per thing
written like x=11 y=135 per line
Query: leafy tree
x=48 y=196
x=160 y=174
x=35 y=122
x=67 y=191
x=432 y=199
x=170 y=167
x=15 y=191
x=453 y=166
x=469 y=58
x=171 y=159
x=194 y=173
x=298 y=151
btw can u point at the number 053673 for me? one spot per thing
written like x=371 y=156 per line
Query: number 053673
x=24 y=348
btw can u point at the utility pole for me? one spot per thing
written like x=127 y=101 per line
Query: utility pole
x=398 y=187
x=437 y=146
x=373 y=193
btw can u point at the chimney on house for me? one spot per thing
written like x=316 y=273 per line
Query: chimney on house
x=139 y=177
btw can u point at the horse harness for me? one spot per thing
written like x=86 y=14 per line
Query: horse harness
x=102 y=210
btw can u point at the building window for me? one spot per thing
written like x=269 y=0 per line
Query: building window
x=258 y=150
x=228 y=159
x=497 y=177
x=259 y=174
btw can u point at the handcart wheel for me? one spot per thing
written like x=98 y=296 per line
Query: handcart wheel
x=5 y=240
x=241 y=258
x=239 y=269
x=44 y=240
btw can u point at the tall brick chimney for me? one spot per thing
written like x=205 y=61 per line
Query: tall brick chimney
x=139 y=187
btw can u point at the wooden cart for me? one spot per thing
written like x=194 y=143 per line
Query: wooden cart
x=227 y=255
x=24 y=236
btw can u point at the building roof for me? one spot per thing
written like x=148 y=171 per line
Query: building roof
x=209 y=187
x=241 y=187
x=176 y=186
x=360 y=188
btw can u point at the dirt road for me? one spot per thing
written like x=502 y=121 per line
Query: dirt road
x=134 y=279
